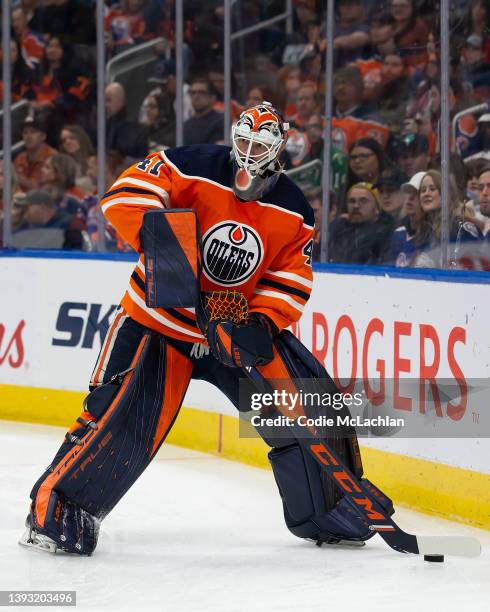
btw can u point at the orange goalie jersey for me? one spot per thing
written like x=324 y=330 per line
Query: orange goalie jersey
x=261 y=248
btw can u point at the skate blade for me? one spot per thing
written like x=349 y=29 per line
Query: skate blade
x=341 y=543
x=346 y=544
x=31 y=539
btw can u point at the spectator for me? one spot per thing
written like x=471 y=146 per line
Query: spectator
x=411 y=32
x=18 y=211
x=457 y=170
x=255 y=96
x=63 y=86
x=14 y=183
x=22 y=76
x=217 y=79
x=124 y=25
x=382 y=35
x=477 y=22
x=45 y=226
x=363 y=236
x=351 y=32
x=311 y=66
x=58 y=176
x=288 y=84
x=472 y=194
x=15 y=191
x=206 y=126
x=54 y=17
x=110 y=174
x=164 y=84
x=305 y=14
x=123 y=137
x=391 y=197
x=297 y=148
x=413 y=154
x=314 y=132
x=484 y=140
x=159 y=19
x=314 y=197
x=403 y=246
x=484 y=189
x=477 y=68
x=392 y=92
x=347 y=89
x=29 y=163
x=31 y=43
x=30 y=8
x=366 y=161
x=307 y=104
x=315 y=200
x=304 y=35
x=466 y=127
x=160 y=121
x=75 y=142
x=428 y=233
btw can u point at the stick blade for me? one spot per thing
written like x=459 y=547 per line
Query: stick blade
x=459 y=546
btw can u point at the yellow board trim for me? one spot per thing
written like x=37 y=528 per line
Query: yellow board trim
x=455 y=493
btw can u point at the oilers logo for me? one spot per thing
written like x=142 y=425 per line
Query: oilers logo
x=231 y=253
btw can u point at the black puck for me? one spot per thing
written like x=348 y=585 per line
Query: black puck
x=434 y=558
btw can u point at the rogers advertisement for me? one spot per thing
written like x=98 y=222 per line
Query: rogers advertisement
x=373 y=331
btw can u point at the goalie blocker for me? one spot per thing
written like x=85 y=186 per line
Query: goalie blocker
x=138 y=385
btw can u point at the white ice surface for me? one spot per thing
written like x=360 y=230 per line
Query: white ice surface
x=198 y=533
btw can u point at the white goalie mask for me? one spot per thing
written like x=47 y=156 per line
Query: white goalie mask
x=258 y=137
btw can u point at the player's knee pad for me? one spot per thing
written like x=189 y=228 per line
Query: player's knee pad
x=100 y=461
x=312 y=509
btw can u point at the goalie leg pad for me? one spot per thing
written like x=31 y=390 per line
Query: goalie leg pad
x=314 y=507
x=306 y=509
x=127 y=425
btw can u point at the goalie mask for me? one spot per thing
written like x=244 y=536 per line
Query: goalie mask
x=258 y=138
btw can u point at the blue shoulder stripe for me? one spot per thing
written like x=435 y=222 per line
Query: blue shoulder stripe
x=212 y=162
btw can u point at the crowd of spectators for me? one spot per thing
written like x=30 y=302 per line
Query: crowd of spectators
x=385 y=199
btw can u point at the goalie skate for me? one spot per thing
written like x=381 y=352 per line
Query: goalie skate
x=32 y=539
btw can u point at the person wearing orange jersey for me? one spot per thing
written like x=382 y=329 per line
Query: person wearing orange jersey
x=256 y=231
x=32 y=44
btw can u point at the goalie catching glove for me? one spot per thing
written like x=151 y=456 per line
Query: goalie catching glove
x=237 y=345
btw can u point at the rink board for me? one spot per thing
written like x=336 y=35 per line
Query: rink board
x=51 y=327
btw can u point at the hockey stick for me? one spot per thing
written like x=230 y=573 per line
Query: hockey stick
x=362 y=497
x=355 y=489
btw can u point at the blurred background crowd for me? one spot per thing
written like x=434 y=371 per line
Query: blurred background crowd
x=385 y=185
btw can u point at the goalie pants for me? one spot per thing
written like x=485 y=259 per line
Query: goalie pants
x=137 y=388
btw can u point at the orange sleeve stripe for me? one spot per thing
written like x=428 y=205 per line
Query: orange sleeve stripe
x=297 y=293
x=282 y=297
x=295 y=280
x=135 y=192
x=146 y=183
